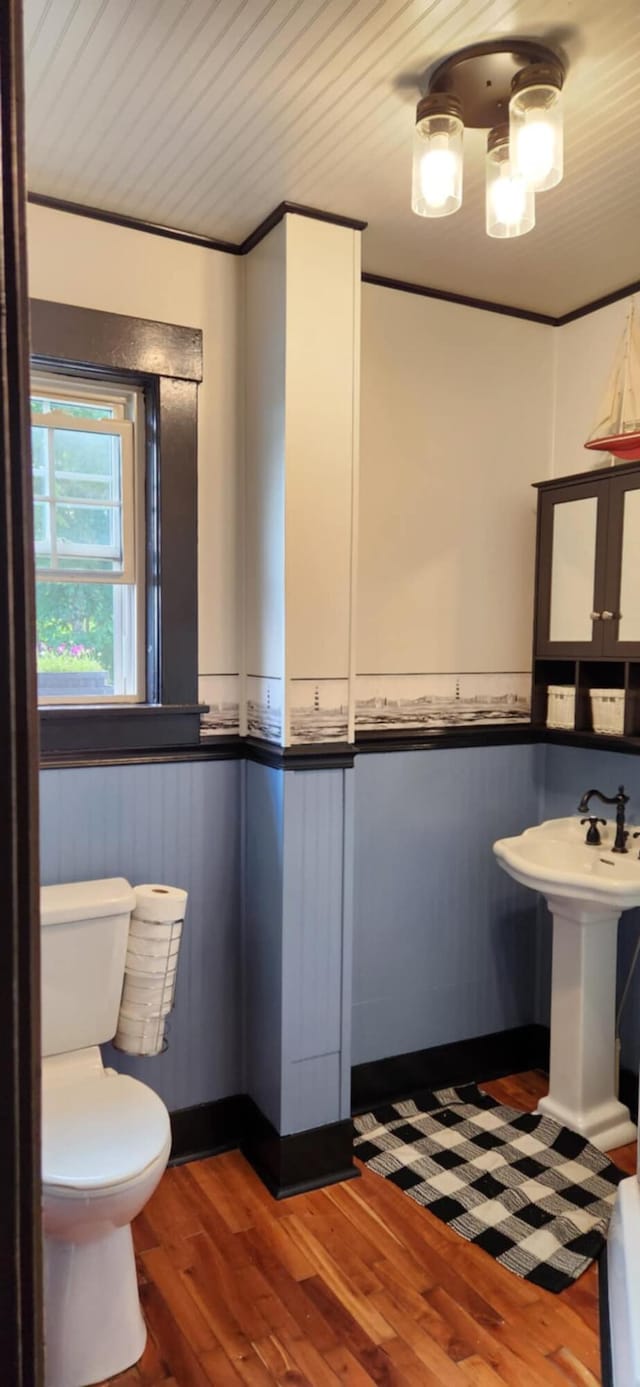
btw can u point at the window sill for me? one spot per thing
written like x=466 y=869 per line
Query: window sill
x=100 y=730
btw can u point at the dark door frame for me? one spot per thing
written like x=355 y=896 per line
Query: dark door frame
x=21 y=1348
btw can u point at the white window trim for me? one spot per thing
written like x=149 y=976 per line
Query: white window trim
x=122 y=429
x=127 y=405
x=46 y=385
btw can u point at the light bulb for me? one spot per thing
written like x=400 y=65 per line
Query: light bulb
x=534 y=151
x=510 y=201
x=437 y=157
x=509 y=198
x=438 y=170
x=535 y=124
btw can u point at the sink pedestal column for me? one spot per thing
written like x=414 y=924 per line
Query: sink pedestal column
x=582 y=1085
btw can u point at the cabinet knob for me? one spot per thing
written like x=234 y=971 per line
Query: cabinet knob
x=608 y=616
x=596 y=616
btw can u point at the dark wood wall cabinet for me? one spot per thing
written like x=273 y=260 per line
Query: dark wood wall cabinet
x=587 y=605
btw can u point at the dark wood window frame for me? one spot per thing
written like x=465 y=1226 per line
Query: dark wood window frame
x=166 y=361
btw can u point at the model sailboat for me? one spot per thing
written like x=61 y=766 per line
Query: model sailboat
x=618 y=428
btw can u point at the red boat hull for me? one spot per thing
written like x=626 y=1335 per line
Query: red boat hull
x=625 y=446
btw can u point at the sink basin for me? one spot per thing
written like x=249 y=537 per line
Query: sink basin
x=587 y=887
x=553 y=858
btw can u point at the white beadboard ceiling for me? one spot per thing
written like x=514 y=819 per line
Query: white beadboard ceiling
x=205 y=114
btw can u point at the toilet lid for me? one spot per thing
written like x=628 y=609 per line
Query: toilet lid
x=100 y=1131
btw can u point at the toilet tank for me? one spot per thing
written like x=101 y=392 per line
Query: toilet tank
x=85 y=925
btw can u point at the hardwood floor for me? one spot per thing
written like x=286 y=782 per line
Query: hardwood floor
x=352 y=1285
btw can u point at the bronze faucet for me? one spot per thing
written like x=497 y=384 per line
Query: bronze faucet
x=620 y=800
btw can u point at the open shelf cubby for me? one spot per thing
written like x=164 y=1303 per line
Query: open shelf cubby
x=584 y=675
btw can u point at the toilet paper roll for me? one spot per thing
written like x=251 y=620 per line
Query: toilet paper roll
x=154 y=930
x=140 y=1037
x=159 y=904
x=150 y=968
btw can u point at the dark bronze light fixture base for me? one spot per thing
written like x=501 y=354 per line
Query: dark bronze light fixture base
x=480 y=77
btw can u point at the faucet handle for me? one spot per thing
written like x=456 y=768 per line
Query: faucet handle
x=593 y=834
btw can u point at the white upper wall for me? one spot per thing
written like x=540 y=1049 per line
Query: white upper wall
x=265 y=377
x=461 y=410
x=585 y=352
x=323 y=321
x=456 y=415
x=96 y=265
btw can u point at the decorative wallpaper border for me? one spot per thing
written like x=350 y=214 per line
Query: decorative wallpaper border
x=264 y=707
x=385 y=701
x=319 y=708
x=318 y=711
x=222 y=693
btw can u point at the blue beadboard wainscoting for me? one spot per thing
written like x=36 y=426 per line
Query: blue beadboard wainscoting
x=336 y=916
x=297 y=944
x=444 y=942
x=179 y=824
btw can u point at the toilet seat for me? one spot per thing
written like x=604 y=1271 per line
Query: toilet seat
x=100 y=1133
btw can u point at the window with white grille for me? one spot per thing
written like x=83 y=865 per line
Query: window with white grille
x=89 y=540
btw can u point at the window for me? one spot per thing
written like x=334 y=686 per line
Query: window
x=88 y=489
x=115 y=482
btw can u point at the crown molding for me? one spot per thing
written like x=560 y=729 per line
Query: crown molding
x=296 y=209
x=614 y=297
x=102 y=214
x=194 y=238
x=405 y=286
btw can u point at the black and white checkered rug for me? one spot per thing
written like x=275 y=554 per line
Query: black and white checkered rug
x=534 y=1195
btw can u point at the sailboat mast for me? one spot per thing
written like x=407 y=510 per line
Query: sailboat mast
x=625 y=363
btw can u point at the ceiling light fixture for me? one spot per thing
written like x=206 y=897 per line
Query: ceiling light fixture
x=480 y=87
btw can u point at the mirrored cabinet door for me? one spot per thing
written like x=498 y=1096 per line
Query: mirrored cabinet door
x=573 y=568
x=572 y=540
x=621 y=613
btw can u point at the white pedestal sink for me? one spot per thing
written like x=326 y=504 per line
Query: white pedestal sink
x=587 y=888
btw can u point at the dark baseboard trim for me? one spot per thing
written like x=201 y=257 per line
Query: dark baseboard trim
x=464 y=1061
x=405 y=286
x=295 y=1164
x=483 y=1057
x=309 y=1160
x=207 y=1129
x=287 y=1165
x=606 y=1351
x=194 y=238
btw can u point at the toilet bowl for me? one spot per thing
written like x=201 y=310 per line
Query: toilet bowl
x=106 y=1139
x=106 y=1142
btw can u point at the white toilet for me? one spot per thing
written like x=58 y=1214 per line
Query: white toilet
x=105 y=1139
